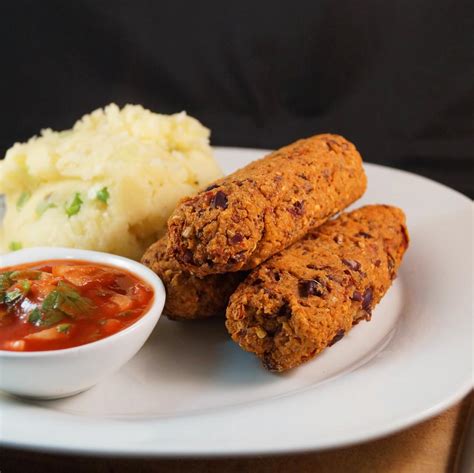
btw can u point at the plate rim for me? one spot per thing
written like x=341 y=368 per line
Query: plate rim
x=368 y=436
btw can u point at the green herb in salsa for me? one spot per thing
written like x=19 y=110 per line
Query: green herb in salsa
x=35 y=317
x=50 y=317
x=6 y=280
x=5 y=283
x=64 y=301
x=12 y=296
x=25 y=286
x=63 y=328
x=50 y=310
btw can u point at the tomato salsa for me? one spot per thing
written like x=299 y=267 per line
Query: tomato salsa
x=58 y=304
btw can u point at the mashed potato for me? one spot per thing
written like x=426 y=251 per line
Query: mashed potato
x=108 y=184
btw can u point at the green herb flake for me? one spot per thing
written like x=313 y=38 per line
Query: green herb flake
x=50 y=312
x=51 y=317
x=63 y=328
x=68 y=290
x=15 y=246
x=75 y=206
x=35 y=317
x=52 y=301
x=72 y=303
x=103 y=195
x=11 y=297
x=25 y=286
x=5 y=283
x=5 y=280
x=22 y=200
x=43 y=206
x=64 y=301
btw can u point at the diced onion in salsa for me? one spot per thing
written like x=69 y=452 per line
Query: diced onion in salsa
x=56 y=304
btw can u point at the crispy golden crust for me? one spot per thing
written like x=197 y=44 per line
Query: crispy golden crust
x=307 y=297
x=248 y=216
x=189 y=297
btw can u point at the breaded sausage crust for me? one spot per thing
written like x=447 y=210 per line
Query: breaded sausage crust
x=307 y=297
x=248 y=216
x=189 y=297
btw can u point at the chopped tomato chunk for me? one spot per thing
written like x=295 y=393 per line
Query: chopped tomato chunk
x=40 y=289
x=53 y=333
x=141 y=294
x=14 y=345
x=84 y=275
x=123 y=302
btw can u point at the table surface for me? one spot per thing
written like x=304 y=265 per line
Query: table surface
x=429 y=447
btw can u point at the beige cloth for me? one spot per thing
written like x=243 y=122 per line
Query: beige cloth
x=430 y=447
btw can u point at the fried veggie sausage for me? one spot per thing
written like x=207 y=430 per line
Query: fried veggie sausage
x=307 y=297
x=246 y=217
x=189 y=297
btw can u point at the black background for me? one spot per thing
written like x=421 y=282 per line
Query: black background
x=397 y=78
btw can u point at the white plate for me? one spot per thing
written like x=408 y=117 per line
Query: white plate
x=191 y=391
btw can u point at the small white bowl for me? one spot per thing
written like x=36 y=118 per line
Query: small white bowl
x=60 y=373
